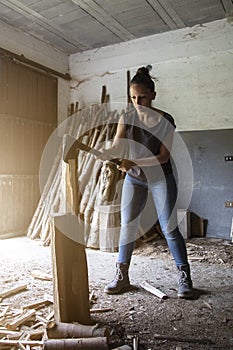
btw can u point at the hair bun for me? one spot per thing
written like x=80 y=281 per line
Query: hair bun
x=143 y=77
x=145 y=70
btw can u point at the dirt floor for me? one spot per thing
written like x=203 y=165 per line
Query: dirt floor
x=206 y=322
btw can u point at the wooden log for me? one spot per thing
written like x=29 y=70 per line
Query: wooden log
x=153 y=290
x=12 y=291
x=70 y=274
x=61 y=330
x=99 y=343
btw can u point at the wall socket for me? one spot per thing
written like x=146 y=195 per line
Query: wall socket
x=228 y=158
x=229 y=204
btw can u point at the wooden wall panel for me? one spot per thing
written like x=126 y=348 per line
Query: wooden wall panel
x=3 y=86
x=28 y=116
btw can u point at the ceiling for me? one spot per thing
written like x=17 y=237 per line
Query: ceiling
x=78 y=25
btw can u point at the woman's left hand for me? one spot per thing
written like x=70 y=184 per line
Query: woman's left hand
x=126 y=165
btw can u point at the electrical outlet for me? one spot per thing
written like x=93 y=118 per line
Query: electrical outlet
x=229 y=204
x=228 y=158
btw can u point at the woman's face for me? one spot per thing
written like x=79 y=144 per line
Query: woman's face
x=141 y=96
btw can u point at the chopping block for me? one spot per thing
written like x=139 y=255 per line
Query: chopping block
x=70 y=272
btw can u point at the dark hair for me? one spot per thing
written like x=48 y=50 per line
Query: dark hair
x=143 y=77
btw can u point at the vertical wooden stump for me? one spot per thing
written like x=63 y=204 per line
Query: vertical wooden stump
x=70 y=273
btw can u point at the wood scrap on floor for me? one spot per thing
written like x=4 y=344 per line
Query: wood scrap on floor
x=158 y=293
x=12 y=291
x=183 y=339
x=41 y=275
x=35 y=328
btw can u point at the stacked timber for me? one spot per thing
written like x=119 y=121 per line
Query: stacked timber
x=98 y=196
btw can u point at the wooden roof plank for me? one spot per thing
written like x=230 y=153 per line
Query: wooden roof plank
x=97 y=12
x=41 y=20
x=167 y=13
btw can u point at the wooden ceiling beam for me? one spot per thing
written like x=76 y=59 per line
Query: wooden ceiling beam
x=25 y=11
x=101 y=16
x=167 y=13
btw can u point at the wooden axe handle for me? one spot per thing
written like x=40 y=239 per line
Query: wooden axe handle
x=77 y=145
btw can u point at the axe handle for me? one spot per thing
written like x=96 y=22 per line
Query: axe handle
x=77 y=145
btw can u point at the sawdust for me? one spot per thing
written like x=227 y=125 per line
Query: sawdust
x=204 y=323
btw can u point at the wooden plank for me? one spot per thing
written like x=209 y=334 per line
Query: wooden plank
x=43 y=22
x=167 y=13
x=13 y=290
x=97 y=12
x=153 y=290
x=70 y=274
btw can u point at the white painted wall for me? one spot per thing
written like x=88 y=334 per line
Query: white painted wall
x=194 y=68
x=17 y=42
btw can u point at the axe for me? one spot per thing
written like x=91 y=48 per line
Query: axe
x=71 y=146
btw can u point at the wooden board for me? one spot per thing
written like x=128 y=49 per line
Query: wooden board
x=70 y=274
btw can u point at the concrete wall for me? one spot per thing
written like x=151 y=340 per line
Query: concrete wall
x=193 y=66
x=32 y=48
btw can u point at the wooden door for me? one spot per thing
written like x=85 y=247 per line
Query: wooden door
x=28 y=116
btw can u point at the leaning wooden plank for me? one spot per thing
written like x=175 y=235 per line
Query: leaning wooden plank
x=21 y=319
x=33 y=230
x=99 y=343
x=147 y=286
x=14 y=290
x=70 y=274
x=61 y=330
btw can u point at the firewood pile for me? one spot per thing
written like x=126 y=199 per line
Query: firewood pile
x=98 y=183
x=32 y=326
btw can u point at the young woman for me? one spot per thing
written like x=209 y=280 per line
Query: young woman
x=149 y=134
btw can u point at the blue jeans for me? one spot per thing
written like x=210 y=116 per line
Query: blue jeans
x=134 y=197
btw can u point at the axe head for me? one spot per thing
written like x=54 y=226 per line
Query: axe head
x=69 y=148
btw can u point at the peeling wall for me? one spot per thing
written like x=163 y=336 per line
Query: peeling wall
x=193 y=66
